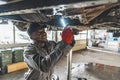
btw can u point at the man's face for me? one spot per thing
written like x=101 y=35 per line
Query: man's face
x=39 y=35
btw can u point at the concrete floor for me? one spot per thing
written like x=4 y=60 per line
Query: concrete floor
x=78 y=68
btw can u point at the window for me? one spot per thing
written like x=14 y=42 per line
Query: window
x=7 y=34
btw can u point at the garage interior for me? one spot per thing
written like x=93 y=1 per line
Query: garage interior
x=96 y=23
x=90 y=64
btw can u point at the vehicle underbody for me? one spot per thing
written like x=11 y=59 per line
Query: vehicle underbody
x=83 y=14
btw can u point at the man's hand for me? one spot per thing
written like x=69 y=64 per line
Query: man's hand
x=67 y=36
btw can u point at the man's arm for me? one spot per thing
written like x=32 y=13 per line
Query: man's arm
x=50 y=60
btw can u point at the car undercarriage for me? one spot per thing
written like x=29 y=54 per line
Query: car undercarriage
x=83 y=14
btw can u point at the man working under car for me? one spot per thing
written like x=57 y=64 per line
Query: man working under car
x=42 y=55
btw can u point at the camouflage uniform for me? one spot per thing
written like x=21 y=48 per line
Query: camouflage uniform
x=41 y=61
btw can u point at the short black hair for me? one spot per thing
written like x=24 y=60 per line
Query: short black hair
x=34 y=27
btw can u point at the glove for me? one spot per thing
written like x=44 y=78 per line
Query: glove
x=67 y=35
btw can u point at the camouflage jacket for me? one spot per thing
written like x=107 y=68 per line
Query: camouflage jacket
x=41 y=61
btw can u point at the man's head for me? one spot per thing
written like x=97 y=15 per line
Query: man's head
x=37 y=32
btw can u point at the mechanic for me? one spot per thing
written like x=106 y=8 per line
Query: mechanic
x=42 y=55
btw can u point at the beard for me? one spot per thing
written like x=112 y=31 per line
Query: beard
x=41 y=41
